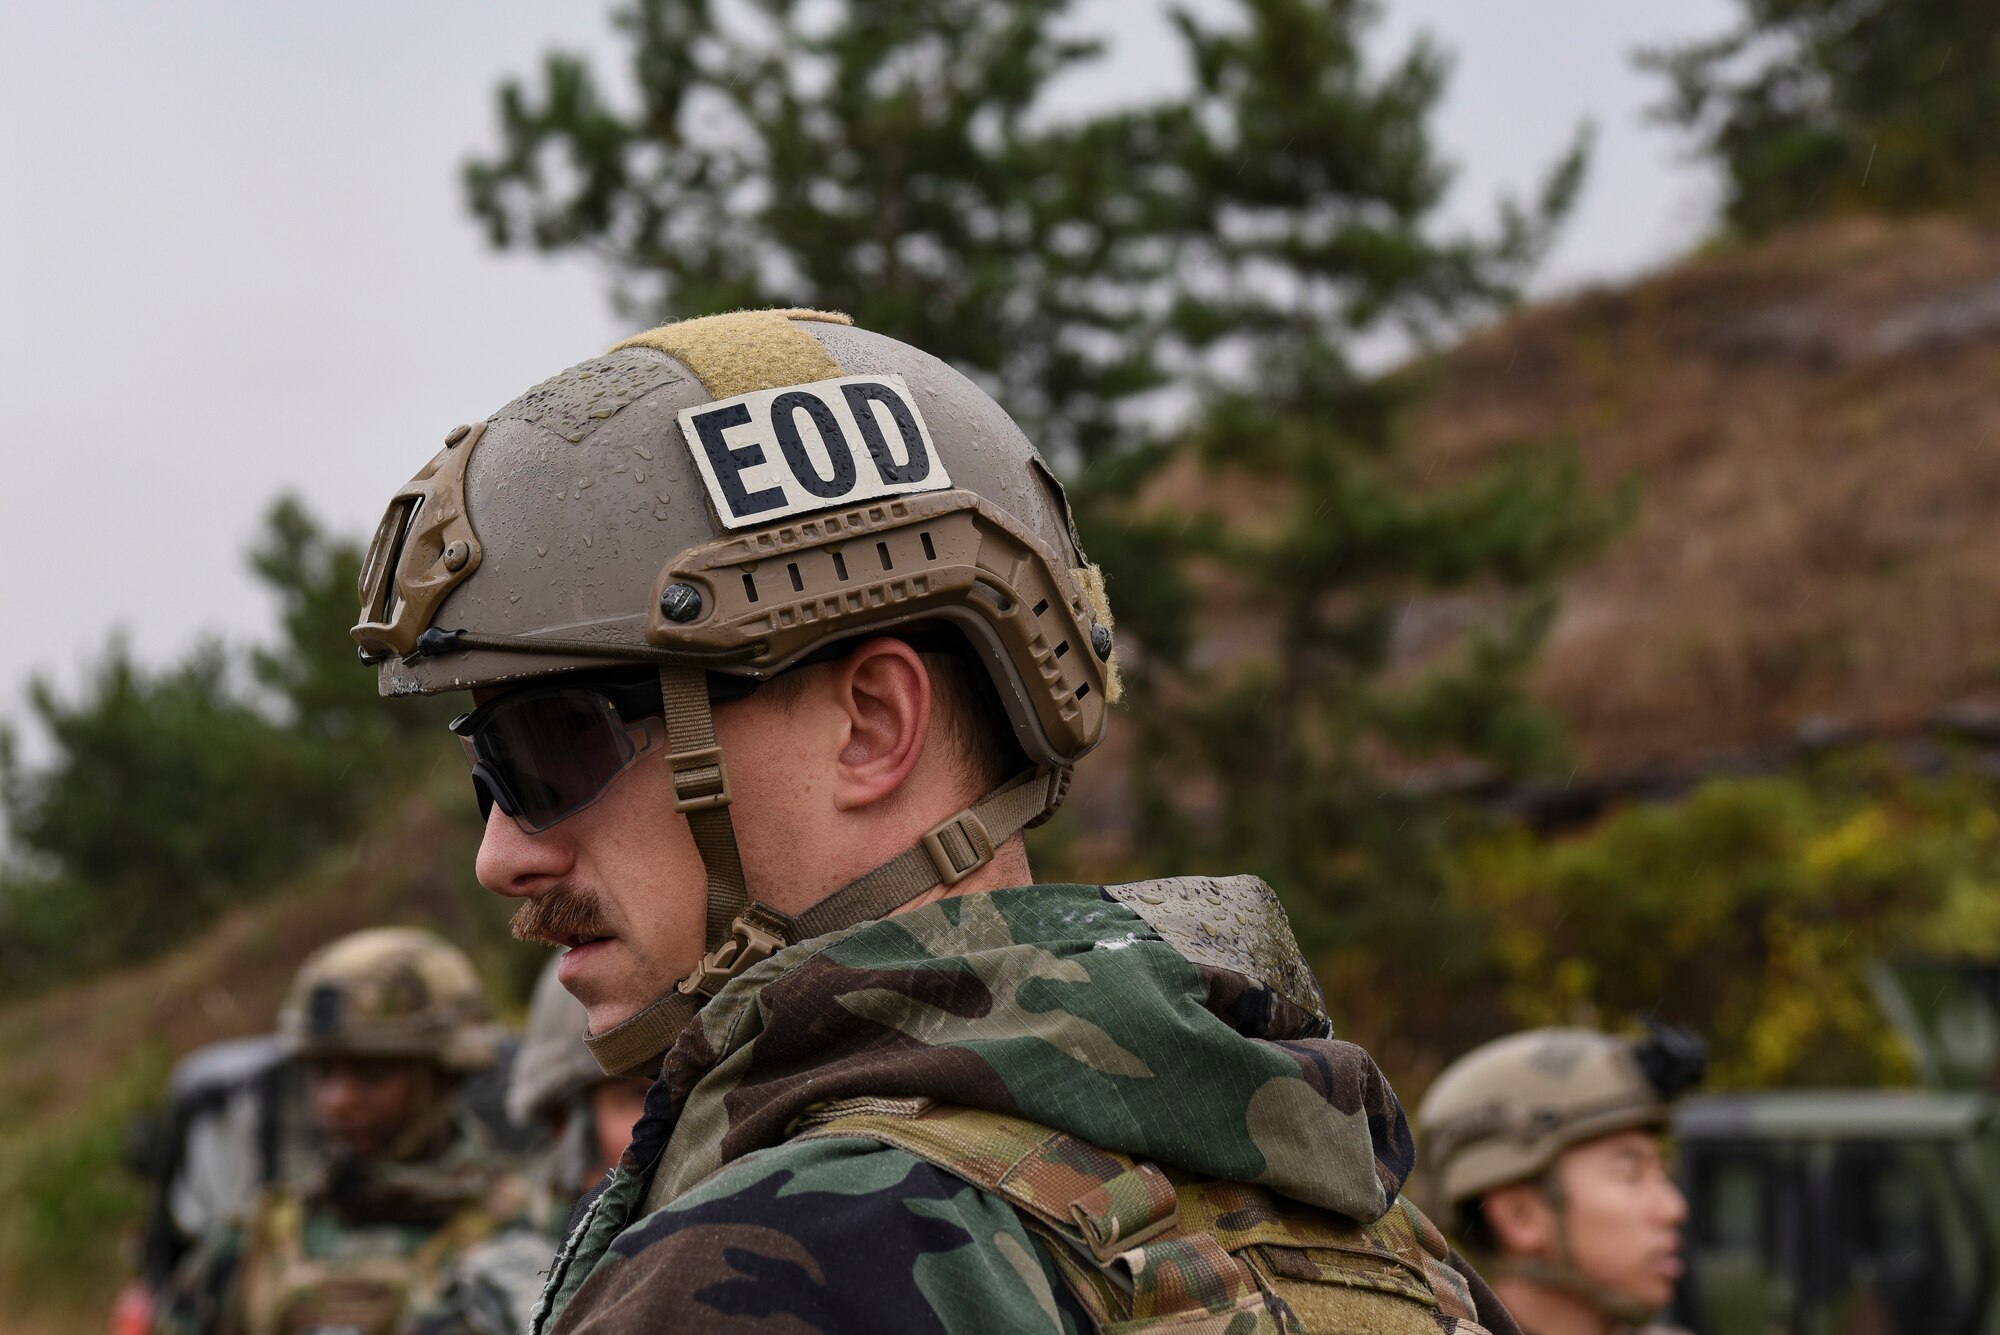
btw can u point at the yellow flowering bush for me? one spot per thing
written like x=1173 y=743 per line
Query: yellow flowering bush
x=1750 y=909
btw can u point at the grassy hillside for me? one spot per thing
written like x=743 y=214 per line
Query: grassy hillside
x=1816 y=426
x=77 y=1062
x=1813 y=430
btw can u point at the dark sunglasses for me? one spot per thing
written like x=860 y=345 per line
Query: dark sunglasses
x=543 y=753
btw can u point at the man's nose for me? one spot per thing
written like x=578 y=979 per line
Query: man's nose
x=1673 y=1205
x=515 y=863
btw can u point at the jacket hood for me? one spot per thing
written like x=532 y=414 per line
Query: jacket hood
x=1190 y=1035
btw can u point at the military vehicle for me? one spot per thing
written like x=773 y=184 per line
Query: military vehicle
x=1856 y=1212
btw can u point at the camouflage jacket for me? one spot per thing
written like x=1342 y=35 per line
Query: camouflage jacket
x=374 y=1255
x=1047 y=1108
x=493 y=1287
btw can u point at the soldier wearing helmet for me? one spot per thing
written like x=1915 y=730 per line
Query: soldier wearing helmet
x=1543 y=1151
x=557 y=1087
x=585 y=1116
x=778 y=636
x=385 y=1024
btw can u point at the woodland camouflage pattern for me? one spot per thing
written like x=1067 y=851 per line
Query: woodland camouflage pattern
x=1022 y=1110
x=374 y=1250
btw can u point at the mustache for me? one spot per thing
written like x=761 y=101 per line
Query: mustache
x=558 y=918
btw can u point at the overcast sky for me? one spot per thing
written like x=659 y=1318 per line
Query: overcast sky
x=234 y=259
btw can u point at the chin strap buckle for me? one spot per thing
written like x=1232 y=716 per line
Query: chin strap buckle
x=755 y=935
x=958 y=847
x=701 y=779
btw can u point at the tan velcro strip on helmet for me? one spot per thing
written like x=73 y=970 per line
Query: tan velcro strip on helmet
x=746 y=350
x=1091 y=580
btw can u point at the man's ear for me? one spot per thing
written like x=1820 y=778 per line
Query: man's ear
x=1521 y=1218
x=884 y=695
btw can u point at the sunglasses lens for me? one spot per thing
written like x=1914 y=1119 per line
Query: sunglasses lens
x=545 y=757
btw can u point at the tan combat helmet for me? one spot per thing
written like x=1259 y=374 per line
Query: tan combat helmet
x=391 y=992
x=729 y=495
x=1505 y=1112
x=553 y=1063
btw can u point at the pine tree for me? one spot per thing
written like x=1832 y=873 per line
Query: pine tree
x=1815 y=107
x=884 y=163
x=1173 y=289
x=170 y=794
x=1309 y=219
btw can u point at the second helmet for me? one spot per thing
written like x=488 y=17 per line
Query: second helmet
x=391 y=992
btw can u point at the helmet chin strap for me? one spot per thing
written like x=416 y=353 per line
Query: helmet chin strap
x=741 y=931
x=1562 y=1274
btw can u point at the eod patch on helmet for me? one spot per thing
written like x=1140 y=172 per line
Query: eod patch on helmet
x=774 y=453
x=723 y=499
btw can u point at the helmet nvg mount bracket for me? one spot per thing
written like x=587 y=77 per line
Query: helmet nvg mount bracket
x=730 y=494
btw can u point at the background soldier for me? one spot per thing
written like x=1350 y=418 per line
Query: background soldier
x=585 y=1117
x=1544 y=1151
x=386 y=1023
x=558 y=1088
x=904 y=1088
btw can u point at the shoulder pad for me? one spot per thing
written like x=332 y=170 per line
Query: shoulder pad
x=1227 y=922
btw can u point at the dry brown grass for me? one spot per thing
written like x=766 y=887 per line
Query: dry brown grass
x=1816 y=425
x=229 y=982
x=60 y=1051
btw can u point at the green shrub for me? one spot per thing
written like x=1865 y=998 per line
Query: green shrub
x=71 y=1202
x=1751 y=909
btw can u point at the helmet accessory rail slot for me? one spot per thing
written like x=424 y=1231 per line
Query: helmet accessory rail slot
x=422 y=550
x=946 y=555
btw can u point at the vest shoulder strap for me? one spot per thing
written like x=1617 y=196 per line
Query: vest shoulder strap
x=1143 y=1252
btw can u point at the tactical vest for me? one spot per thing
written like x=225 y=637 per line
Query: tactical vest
x=366 y=1286
x=1143 y=1251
